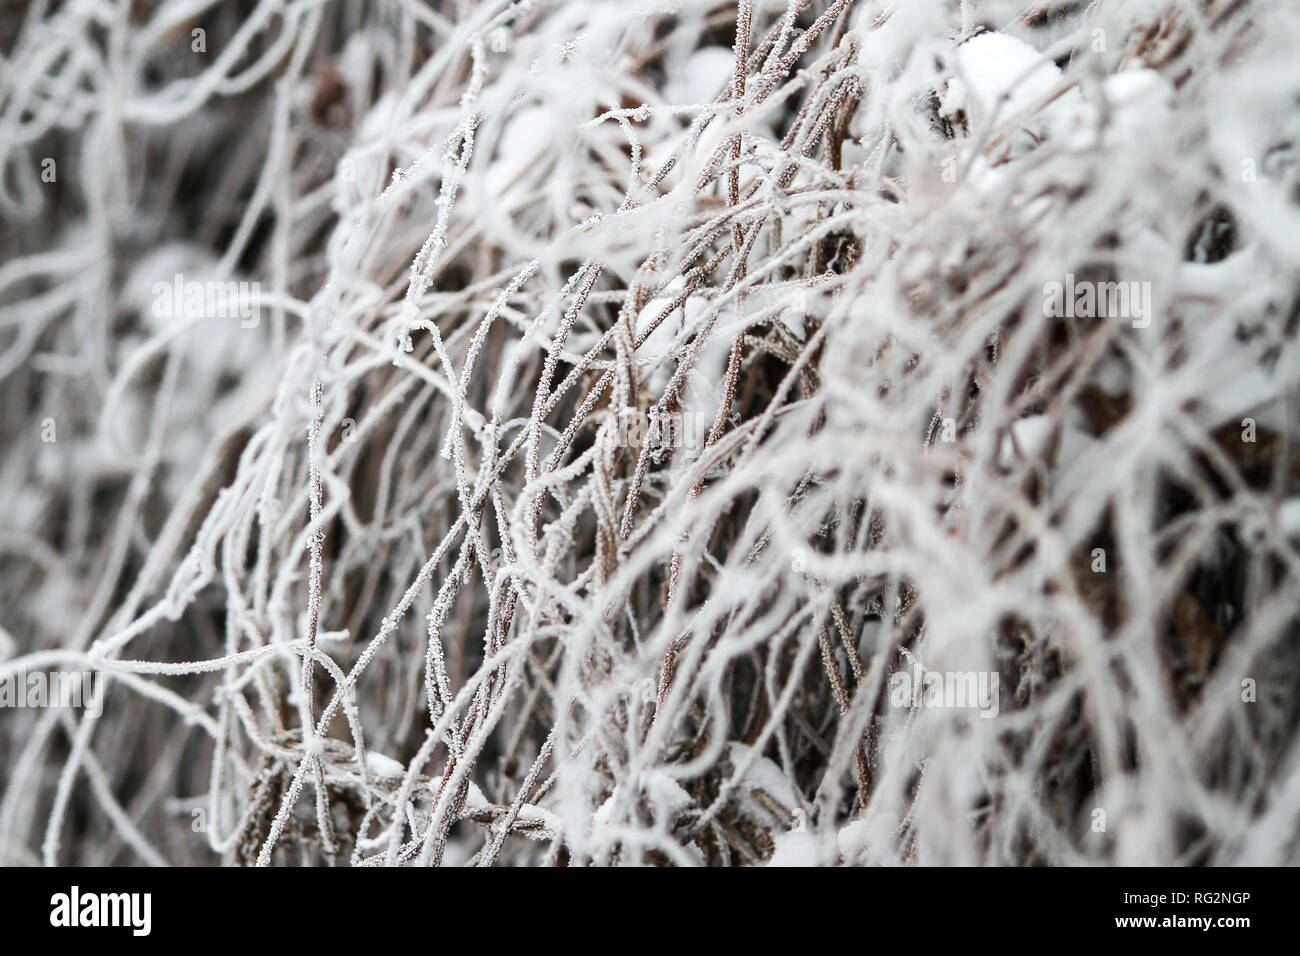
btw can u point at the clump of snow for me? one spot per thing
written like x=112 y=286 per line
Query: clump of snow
x=382 y=765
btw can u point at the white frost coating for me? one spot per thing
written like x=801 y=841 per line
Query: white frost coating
x=409 y=470
x=757 y=782
x=474 y=798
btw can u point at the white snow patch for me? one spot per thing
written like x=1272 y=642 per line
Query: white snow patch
x=794 y=848
x=383 y=766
